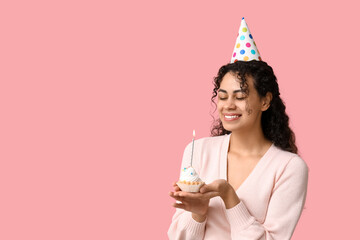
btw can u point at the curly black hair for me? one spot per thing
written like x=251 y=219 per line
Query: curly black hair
x=274 y=121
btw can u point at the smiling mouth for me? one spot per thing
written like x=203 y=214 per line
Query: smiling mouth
x=232 y=117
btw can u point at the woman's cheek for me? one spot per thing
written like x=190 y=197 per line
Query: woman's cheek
x=248 y=107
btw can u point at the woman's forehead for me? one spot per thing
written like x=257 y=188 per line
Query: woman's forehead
x=231 y=81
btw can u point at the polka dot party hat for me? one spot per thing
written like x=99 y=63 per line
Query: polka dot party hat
x=245 y=48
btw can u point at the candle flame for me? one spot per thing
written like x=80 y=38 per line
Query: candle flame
x=194 y=133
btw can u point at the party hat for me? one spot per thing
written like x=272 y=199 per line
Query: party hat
x=245 y=48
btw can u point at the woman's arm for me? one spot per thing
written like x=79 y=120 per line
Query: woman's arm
x=185 y=224
x=284 y=209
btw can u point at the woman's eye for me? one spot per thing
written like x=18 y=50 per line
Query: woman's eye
x=240 y=98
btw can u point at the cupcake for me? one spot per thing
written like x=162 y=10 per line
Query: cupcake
x=189 y=180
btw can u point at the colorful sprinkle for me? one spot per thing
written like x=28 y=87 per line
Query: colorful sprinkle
x=242 y=51
x=238 y=45
x=234 y=54
x=250 y=36
x=242 y=37
x=248 y=44
x=253 y=51
x=244 y=29
x=246 y=58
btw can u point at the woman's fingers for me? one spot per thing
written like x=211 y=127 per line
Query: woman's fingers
x=207 y=188
x=212 y=187
x=204 y=188
x=179 y=205
x=178 y=197
x=190 y=195
x=176 y=187
x=211 y=194
x=175 y=196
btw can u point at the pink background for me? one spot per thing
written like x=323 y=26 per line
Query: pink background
x=98 y=100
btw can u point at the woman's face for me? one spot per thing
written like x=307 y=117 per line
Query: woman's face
x=238 y=111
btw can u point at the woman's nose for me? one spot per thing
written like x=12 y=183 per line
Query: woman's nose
x=230 y=104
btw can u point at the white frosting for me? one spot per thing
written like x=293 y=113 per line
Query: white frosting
x=190 y=175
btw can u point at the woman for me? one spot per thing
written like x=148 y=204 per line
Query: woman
x=257 y=182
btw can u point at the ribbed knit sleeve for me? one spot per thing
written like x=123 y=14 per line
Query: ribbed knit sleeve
x=284 y=208
x=183 y=226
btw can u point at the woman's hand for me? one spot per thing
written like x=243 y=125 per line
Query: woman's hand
x=218 y=187
x=222 y=189
x=197 y=203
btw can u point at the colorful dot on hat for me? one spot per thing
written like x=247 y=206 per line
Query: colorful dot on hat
x=192 y=174
x=250 y=36
x=234 y=54
x=238 y=45
x=248 y=44
x=242 y=37
x=244 y=29
x=235 y=60
x=253 y=51
x=242 y=51
x=246 y=58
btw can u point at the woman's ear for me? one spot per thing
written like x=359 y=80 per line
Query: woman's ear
x=266 y=101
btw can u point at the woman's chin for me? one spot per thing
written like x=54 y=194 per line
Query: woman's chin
x=231 y=128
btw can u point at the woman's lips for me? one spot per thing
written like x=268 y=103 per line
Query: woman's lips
x=231 y=117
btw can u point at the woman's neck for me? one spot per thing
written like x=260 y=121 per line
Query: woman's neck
x=249 y=143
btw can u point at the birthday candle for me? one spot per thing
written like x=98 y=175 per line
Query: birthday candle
x=192 y=151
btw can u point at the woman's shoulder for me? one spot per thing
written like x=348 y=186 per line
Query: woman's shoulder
x=289 y=160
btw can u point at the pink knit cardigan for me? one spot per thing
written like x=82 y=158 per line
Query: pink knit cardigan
x=271 y=198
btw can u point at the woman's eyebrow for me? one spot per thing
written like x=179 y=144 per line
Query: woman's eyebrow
x=236 y=91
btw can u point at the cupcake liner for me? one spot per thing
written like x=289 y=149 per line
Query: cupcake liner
x=190 y=186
